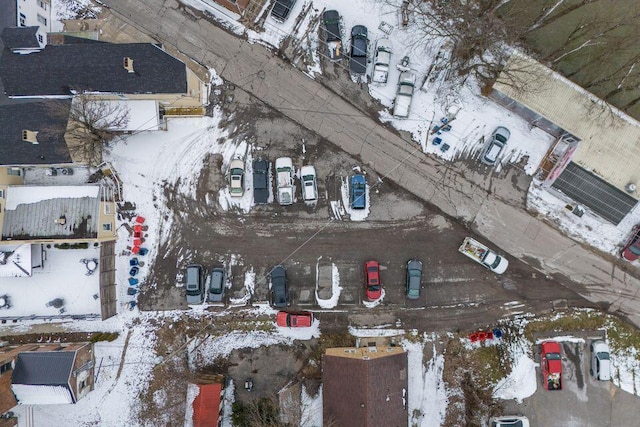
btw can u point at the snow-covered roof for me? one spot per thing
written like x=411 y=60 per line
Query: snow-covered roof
x=15 y=261
x=51 y=212
x=610 y=145
x=41 y=394
x=141 y=114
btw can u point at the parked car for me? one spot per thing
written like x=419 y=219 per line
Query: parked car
x=551 y=365
x=496 y=144
x=236 y=178
x=600 y=367
x=373 y=283
x=358 y=192
x=281 y=9
x=194 y=283
x=309 y=184
x=284 y=171
x=404 y=95
x=333 y=39
x=414 y=278
x=300 y=319
x=260 y=181
x=279 y=289
x=381 y=61
x=631 y=250
x=358 y=55
x=216 y=284
x=509 y=421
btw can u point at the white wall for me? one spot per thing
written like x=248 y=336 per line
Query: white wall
x=35 y=13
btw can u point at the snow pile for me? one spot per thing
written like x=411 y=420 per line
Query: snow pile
x=335 y=288
x=626 y=370
x=374 y=303
x=249 y=286
x=428 y=400
x=521 y=381
x=192 y=392
x=311 y=414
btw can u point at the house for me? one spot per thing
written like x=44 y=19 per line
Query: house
x=57 y=252
x=36 y=374
x=594 y=160
x=27 y=13
x=365 y=386
x=207 y=404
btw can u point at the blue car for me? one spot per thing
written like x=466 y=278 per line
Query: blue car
x=358 y=192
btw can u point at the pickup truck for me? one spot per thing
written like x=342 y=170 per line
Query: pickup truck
x=284 y=171
x=381 y=61
x=331 y=21
x=402 y=103
x=551 y=362
x=483 y=255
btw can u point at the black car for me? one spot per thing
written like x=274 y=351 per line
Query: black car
x=260 y=181
x=359 y=41
x=333 y=40
x=279 y=290
x=281 y=9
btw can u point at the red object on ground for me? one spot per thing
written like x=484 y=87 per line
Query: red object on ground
x=140 y=220
x=551 y=361
x=137 y=241
x=299 y=319
x=137 y=228
x=489 y=335
x=482 y=335
x=135 y=250
x=206 y=406
x=473 y=337
x=137 y=234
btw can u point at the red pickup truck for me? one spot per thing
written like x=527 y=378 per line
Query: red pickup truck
x=551 y=365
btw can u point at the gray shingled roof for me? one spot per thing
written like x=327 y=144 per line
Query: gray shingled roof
x=55 y=70
x=38 y=220
x=43 y=368
x=20 y=37
x=37 y=117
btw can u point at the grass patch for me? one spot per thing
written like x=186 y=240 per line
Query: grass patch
x=576 y=321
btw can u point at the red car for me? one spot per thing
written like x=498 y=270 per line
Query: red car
x=373 y=284
x=551 y=364
x=631 y=250
x=300 y=319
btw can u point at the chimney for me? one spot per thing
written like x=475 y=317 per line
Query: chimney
x=128 y=64
x=30 y=136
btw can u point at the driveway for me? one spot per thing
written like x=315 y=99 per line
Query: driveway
x=493 y=209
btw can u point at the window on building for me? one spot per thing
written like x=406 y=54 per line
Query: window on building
x=42 y=4
x=40 y=38
x=42 y=19
x=1 y=194
x=4 y=368
x=107 y=208
x=83 y=384
x=14 y=171
x=23 y=20
x=106 y=227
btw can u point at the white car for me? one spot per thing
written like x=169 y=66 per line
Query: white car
x=284 y=174
x=509 y=421
x=381 y=61
x=309 y=184
x=600 y=361
x=236 y=178
x=496 y=144
x=404 y=95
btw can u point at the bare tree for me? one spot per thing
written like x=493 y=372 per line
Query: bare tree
x=93 y=123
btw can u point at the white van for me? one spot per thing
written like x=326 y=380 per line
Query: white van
x=309 y=184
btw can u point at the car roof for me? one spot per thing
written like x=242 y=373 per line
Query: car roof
x=551 y=346
x=330 y=14
x=307 y=170
x=283 y=162
x=278 y=271
x=359 y=29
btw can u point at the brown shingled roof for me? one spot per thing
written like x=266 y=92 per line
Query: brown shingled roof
x=364 y=391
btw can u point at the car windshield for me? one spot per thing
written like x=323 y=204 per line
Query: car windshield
x=553 y=356
x=374 y=287
x=284 y=169
x=236 y=171
x=501 y=138
x=496 y=263
x=635 y=248
x=603 y=355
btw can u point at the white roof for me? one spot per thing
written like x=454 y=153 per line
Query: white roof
x=143 y=114
x=16 y=260
x=41 y=394
x=25 y=194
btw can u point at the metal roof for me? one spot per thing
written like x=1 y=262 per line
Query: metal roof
x=610 y=146
x=591 y=191
x=43 y=368
x=40 y=218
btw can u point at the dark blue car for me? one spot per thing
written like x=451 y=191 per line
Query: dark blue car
x=358 y=192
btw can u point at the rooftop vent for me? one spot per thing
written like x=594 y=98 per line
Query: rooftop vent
x=62 y=220
x=630 y=187
x=128 y=64
x=30 y=136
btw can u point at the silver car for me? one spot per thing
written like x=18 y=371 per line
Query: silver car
x=414 y=278
x=496 y=144
x=216 y=284
x=600 y=361
x=509 y=421
x=194 y=284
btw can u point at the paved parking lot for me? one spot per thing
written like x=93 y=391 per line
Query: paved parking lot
x=399 y=227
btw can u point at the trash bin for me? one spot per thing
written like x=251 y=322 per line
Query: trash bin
x=497 y=333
